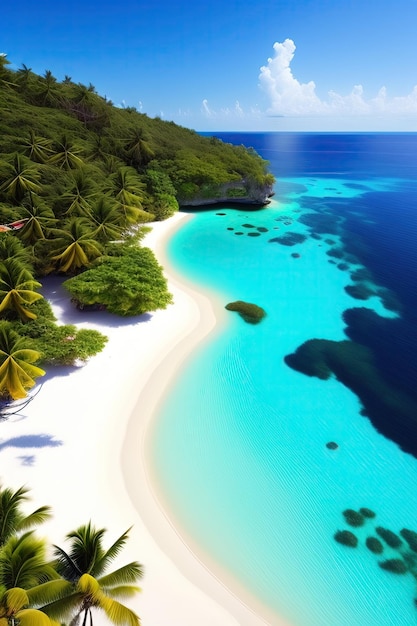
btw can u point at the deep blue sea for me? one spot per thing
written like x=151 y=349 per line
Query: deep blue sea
x=240 y=444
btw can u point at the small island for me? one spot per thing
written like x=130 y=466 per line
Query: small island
x=251 y=313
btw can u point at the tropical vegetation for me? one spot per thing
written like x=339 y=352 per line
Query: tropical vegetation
x=44 y=585
x=79 y=180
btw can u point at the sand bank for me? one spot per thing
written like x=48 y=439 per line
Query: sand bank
x=80 y=447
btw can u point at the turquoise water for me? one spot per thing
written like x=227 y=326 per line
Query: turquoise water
x=239 y=445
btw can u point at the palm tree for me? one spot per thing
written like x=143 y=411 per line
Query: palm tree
x=12 y=248
x=127 y=188
x=49 y=91
x=40 y=219
x=19 y=177
x=24 y=75
x=14 y=611
x=137 y=149
x=17 y=287
x=84 y=567
x=17 y=372
x=78 y=197
x=12 y=519
x=23 y=562
x=36 y=148
x=66 y=154
x=6 y=76
x=74 y=246
x=106 y=221
x=111 y=164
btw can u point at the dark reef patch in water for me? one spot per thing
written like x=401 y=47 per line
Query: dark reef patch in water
x=359 y=291
x=321 y=223
x=357 y=186
x=289 y=239
x=335 y=252
x=392 y=411
x=361 y=274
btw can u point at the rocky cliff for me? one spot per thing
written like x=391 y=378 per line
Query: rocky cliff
x=235 y=192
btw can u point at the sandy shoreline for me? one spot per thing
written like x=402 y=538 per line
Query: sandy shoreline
x=79 y=446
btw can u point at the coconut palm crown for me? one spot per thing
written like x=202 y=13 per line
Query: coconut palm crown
x=84 y=566
x=12 y=519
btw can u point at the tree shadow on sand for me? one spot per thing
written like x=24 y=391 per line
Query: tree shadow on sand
x=31 y=441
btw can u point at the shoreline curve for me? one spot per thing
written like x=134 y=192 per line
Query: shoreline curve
x=74 y=447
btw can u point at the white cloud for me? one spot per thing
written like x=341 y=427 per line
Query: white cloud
x=289 y=97
x=205 y=109
x=235 y=112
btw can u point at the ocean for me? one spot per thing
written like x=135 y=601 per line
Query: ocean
x=275 y=432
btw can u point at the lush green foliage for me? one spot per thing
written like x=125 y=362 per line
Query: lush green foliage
x=17 y=359
x=129 y=283
x=36 y=591
x=76 y=175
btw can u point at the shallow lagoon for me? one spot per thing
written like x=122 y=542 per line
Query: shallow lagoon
x=240 y=444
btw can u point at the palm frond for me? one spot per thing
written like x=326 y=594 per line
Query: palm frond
x=126 y=574
x=32 y=617
x=64 y=608
x=66 y=565
x=119 y=614
x=49 y=592
x=123 y=591
x=112 y=552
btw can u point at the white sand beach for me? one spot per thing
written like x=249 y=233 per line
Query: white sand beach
x=79 y=446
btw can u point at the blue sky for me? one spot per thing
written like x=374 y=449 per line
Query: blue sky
x=231 y=64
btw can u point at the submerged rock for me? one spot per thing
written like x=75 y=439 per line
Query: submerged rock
x=332 y=445
x=251 y=313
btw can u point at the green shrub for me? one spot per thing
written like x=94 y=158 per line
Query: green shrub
x=396 y=566
x=251 y=313
x=367 y=512
x=374 y=545
x=346 y=538
x=389 y=537
x=130 y=283
x=163 y=206
x=353 y=518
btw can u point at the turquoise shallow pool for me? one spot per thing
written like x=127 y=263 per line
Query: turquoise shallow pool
x=240 y=444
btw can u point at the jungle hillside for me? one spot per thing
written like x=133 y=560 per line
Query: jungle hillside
x=79 y=180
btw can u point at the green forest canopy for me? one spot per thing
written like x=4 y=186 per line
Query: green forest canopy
x=78 y=174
